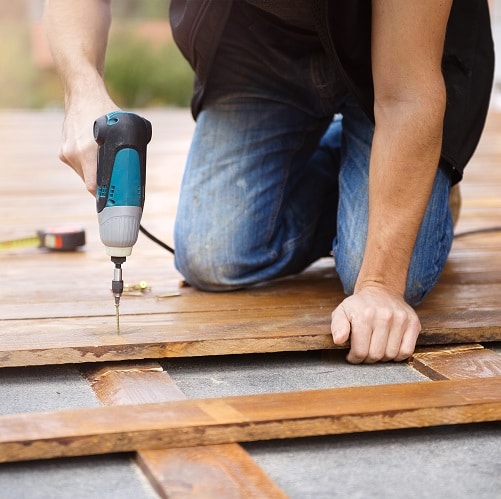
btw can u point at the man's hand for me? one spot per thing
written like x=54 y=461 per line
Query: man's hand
x=78 y=147
x=381 y=324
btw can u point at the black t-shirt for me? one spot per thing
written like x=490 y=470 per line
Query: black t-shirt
x=297 y=13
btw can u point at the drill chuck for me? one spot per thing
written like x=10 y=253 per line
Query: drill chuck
x=117 y=284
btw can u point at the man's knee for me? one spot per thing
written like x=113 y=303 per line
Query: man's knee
x=418 y=284
x=203 y=269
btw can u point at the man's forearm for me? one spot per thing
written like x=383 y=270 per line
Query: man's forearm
x=77 y=31
x=404 y=159
x=407 y=47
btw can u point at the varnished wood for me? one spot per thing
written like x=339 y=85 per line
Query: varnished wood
x=215 y=471
x=248 y=418
x=127 y=383
x=448 y=348
x=212 y=472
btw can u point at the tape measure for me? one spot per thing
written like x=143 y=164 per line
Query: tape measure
x=59 y=238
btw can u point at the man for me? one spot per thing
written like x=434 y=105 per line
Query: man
x=320 y=125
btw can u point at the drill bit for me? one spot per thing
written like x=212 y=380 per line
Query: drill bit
x=117 y=313
x=117 y=287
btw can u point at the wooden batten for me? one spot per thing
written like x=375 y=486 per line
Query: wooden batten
x=248 y=418
x=224 y=471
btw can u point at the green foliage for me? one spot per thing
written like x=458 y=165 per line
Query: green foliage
x=140 y=9
x=139 y=73
x=21 y=83
x=141 y=70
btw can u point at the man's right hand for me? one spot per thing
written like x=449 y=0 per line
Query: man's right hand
x=78 y=147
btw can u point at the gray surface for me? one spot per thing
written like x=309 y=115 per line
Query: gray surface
x=445 y=462
x=247 y=374
x=102 y=477
x=46 y=388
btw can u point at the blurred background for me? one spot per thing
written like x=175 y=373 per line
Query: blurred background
x=143 y=66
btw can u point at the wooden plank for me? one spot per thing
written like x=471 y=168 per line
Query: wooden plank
x=470 y=282
x=57 y=308
x=449 y=348
x=212 y=471
x=239 y=419
x=77 y=340
x=222 y=471
x=459 y=327
x=90 y=296
x=128 y=383
x=460 y=364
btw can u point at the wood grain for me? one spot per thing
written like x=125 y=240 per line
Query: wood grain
x=57 y=308
x=213 y=471
x=239 y=419
x=460 y=364
x=78 y=340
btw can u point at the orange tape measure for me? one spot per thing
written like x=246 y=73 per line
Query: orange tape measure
x=58 y=238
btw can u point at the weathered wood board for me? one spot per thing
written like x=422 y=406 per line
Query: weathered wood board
x=458 y=364
x=222 y=471
x=77 y=340
x=248 y=418
x=57 y=307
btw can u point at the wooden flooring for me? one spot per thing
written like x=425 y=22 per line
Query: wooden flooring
x=57 y=308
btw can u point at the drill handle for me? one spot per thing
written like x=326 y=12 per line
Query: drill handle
x=121 y=165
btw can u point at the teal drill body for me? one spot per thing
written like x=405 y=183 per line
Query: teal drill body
x=122 y=140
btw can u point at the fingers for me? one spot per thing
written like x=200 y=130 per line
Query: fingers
x=381 y=327
x=340 y=326
x=78 y=148
x=83 y=161
x=409 y=339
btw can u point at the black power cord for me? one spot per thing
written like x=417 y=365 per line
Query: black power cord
x=156 y=240
x=456 y=236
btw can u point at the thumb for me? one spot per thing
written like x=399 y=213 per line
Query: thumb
x=340 y=326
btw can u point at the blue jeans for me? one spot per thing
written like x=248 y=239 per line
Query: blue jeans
x=277 y=173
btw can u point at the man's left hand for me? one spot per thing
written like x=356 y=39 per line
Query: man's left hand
x=381 y=324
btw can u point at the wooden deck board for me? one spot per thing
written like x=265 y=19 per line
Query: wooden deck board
x=57 y=308
x=187 y=423
x=77 y=340
x=474 y=362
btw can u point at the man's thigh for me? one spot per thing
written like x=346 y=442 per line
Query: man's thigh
x=249 y=203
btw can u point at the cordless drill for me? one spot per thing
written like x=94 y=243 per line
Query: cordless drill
x=121 y=171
